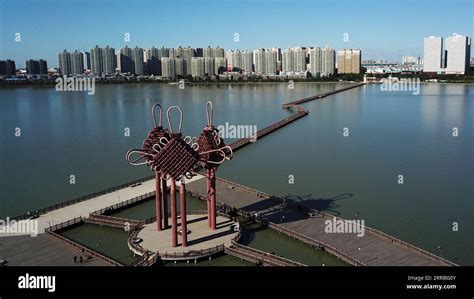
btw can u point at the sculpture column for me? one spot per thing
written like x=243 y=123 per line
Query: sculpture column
x=182 y=204
x=174 y=216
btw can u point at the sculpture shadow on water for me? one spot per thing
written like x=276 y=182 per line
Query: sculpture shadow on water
x=328 y=205
x=291 y=208
x=286 y=209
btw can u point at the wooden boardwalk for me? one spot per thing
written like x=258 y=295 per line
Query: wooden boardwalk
x=42 y=250
x=373 y=249
x=298 y=112
x=320 y=96
x=96 y=204
x=257 y=256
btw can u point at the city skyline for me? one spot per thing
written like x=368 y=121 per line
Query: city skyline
x=340 y=25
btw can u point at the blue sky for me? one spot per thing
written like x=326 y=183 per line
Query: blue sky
x=382 y=29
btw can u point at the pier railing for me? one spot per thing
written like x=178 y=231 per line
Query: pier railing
x=316 y=243
x=123 y=203
x=387 y=237
x=64 y=224
x=135 y=247
x=252 y=190
x=330 y=248
x=52 y=232
x=320 y=96
x=114 y=222
x=410 y=246
x=255 y=255
x=82 y=198
x=192 y=253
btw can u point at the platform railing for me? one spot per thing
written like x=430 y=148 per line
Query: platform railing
x=64 y=224
x=339 y=253
x=82 y=198
x=316 y=243
x=52 y=232
x=192 y=253
x=387 y=237
x=115 y=222
x=124 y=203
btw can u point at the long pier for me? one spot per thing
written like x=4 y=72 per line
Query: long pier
x=298 y=112
x=320 y=96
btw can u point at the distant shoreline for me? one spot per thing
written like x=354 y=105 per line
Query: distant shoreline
x=44 y=84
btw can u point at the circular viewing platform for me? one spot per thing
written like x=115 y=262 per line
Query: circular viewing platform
x=202 y=240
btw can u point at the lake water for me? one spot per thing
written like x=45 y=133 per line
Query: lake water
x=390 y=134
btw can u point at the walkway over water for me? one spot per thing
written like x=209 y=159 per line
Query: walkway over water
x=373 y=249
x=298 y=112
x=94 y=203
x=42 y=250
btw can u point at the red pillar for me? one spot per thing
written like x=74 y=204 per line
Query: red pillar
x=182 y=204
x=213 y=199
x=209 y=174
x=164 y=203
x=174 y=219
x=158 y=202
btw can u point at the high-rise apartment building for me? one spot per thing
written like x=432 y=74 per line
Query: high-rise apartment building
x=208 y=52
x=220 y=65
x=259 y=61
x=218 y=52
x=294 y=60
x=36 y=67
x=109 y=60
x=458 y=49
x=211 y=52
x=168 y=68
x=137 y=57
x=163 y=52
x=153 y=62
x=197 y=67
x=65 y=63
x=315 y=61
x=180 y=67
x=247 y=61
x=229 y=56
x=77 y=62
x=126 y=60
x=271 y=62
x=349 y=61
x=237 y=59
x=209 y=66
x=446 y=56
x=188 y=53
x=287 y=61
x=96 y=61
x=432 y=54
x=328 y=61
x=7 y=67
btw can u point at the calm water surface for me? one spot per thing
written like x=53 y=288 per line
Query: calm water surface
x=390 y=134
